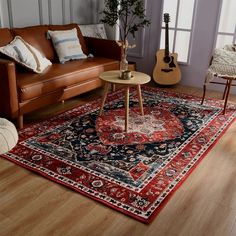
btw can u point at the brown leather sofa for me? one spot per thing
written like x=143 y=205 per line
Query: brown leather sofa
x=23 y=91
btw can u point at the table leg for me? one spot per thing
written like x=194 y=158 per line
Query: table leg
x=106 y=88
x=113 y=88
x=140 y=99
x=126 y=108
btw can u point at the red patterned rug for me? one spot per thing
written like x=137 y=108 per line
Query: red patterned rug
x=135 y=172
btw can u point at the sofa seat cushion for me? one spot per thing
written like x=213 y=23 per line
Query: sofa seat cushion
x=59 y=76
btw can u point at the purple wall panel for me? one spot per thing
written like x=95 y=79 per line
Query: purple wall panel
x=147 y=40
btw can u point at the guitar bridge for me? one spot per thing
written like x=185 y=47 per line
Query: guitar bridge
x=166 y=70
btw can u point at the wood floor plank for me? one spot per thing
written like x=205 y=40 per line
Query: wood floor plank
x=5 y=222
x=35 y=210
x=233 y=231
x=69 y=213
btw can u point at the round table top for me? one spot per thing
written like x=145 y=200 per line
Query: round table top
x=112 y=76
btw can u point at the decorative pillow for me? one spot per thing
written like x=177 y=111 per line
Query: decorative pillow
x=67 y=45
x=94 y=30
x=26 y=55
x=224 y=57
x=223 y=64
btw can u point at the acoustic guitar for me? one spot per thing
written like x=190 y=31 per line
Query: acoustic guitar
x=166 y=70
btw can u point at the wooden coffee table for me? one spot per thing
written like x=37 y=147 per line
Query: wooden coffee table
x=112 y=77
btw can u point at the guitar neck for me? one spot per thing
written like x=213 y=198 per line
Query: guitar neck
x=167 y=40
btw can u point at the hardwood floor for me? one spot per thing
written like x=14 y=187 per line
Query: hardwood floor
x=205 y=204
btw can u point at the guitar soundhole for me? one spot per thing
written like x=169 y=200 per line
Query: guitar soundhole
x=167 y=59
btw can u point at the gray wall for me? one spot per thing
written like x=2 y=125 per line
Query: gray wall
x=14 y=13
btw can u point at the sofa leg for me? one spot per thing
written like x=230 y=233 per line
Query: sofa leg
x=20 y=121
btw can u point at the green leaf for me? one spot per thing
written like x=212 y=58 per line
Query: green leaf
x=128 y=14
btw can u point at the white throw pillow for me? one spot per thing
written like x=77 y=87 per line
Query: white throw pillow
x=93 y=30
x=67 y=45
x=26 y=55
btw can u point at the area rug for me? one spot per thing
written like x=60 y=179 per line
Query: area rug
x=134 y=172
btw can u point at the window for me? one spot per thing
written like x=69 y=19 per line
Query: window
x=180 y=27
x=227 y=24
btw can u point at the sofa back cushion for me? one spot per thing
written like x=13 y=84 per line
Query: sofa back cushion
x=69 y=27
x=5 y=37
x=36 y=36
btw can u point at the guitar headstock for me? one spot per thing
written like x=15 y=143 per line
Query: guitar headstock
x=166 y=18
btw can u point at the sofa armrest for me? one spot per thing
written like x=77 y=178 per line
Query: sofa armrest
x=103 y=47
x=8 y=89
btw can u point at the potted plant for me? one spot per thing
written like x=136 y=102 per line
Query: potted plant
x=129 y=16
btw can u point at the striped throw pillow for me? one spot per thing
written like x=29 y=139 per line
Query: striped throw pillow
x=26 y=55
x=67 y=45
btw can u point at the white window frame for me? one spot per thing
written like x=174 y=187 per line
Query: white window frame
x=175 y=29
x=218 y=26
